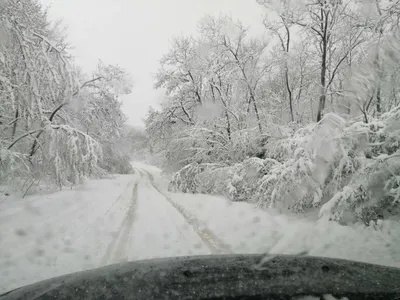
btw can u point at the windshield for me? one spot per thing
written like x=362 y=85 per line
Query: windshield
x=134 y=130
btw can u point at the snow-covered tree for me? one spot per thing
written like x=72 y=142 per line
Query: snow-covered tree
x=332 y=26
x=48 y=110
x=336 y=62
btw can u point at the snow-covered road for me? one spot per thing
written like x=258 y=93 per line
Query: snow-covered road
x=104 y=222
x=133 y=217
x=152 y=227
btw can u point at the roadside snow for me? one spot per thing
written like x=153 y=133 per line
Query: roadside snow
x=249 y=230
x=43 y=236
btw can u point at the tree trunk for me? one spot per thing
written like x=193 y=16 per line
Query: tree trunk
x=321 y=105
x=253 y=100
x=228 y=124
x=14 y=130
x=226 y=112
x=322 y=97
x=289 y=90
x=378 y=101
x=289 y=94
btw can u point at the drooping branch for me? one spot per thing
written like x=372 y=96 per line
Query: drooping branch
x=53 y=114
x=22 y=136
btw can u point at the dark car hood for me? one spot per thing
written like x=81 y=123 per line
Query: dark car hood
x=222 y=277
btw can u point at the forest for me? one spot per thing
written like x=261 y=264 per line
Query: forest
x=303 y=119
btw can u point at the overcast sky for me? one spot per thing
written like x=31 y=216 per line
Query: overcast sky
x=136 y=33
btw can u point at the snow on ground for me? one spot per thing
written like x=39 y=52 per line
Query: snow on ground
x=248 y=230
x=48 y=235
x=103 y=222
x=133 y=217
x=158 y=229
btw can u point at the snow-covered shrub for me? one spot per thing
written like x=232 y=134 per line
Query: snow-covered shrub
x=374 y=186
x=213 y=180
x=347 y=169
x=197 y=178
x=302 y=164
x=245 y=143
x=289 y=184
x=244 y=177
x=280 y=145
x=238 y=182
x=350 y=170
x=222 y=166
x=185 y=180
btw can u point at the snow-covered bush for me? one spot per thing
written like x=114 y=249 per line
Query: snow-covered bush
x=238 y=182
x=301 y=165
x=350 y=171
x=213 y=180
x=344 y=168
x=187 y=179
x=244 y=178
x=374 y=186
x=337 y=166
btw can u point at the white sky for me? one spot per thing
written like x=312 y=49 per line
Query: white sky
x=136 y=33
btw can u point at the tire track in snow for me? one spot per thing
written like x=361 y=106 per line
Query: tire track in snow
x=117 y=250
x=120 y=197
x=214 y=244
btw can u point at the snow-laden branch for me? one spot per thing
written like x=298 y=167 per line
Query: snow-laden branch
x=23 y=136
